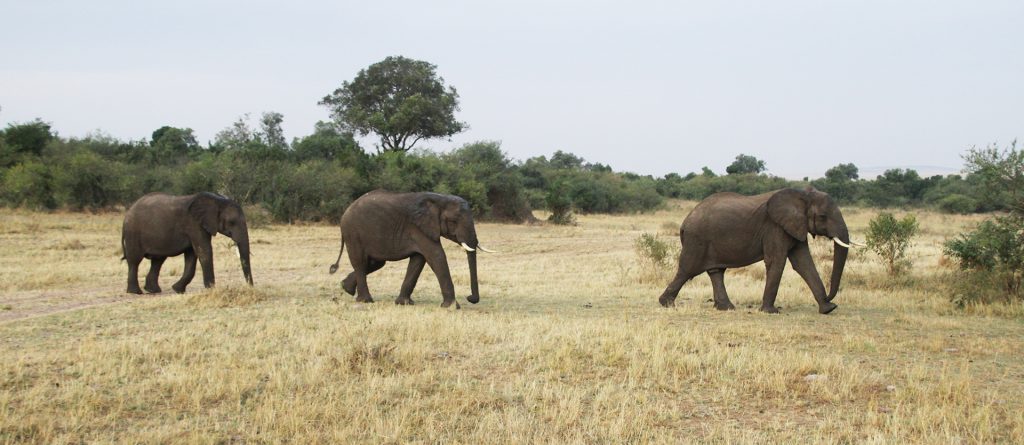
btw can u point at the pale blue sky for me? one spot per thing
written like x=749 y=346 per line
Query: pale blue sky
x=649 y=87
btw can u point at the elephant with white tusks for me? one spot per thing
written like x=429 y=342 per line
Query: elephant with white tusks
x=728 y=230
x=382 y=226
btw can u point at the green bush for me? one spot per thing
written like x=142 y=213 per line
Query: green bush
x=957 y=203
x=991 y=258
x=890 y=238
x=29 y=185
x=313 y=191
x=87 y=181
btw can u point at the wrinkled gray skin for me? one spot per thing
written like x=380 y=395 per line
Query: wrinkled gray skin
x=383 y=226
x=158 y=226
x=729 y=230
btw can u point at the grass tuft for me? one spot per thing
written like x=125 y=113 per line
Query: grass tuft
x=229 y=296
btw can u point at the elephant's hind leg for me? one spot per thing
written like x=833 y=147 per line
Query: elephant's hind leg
x=153 y=277
x=349 y=283
x=412 y=274
x=363 y=267
x=188 y=274
x=722 y=302
x=133 y=273
x=668 y=298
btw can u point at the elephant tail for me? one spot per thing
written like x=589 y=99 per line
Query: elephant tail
x=124 y=255
x=334 y=267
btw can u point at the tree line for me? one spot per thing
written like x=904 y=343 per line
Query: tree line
x=314 y=177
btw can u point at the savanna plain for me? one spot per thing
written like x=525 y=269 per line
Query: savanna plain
x=567 y=345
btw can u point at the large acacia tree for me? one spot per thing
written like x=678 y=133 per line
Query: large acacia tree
x=399 y=99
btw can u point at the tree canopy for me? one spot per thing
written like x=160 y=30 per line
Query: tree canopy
x=745 y=164
x=401 y=100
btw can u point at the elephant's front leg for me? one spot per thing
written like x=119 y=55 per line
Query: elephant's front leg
x=439 y=264
x=412 y=274
x=188 y=274
x=800 y=256
x=774 y=266
x=722 y=302
x=204 y=250
x=153 y=277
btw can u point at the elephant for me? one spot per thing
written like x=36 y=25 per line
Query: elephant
x=159 y=225
x=383 y=226
x=728 y=230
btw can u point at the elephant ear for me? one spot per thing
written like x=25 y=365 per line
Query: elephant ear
x=205 y=209
x=788 y=208
x=426 y=214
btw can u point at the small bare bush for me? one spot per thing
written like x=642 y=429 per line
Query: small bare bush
x=654 y=256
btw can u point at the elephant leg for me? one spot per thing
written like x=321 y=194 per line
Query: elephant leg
x=773 y=276
x=349 y=283
x=363 y=266
x=188 y=274
x=204 y=250
x=439 y=264
x=412 y=274
x=153 y=277
x=722 y=302
x=668 y=298
x=133 y=273
x=802 y=262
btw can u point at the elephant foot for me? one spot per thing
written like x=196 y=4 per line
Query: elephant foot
x=770 y=309
x=448 y=303
x=178 y=288
x=826 y=308
x=404 y=301
x=366 y=299
x=349 y=286
x=153 y=289
x=727 y=306
x=134 y=290
x=473 y=299
x=666 y=302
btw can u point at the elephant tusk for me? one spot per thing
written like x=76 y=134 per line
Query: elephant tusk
x=841 y=243
x=466 y=246
x=238 y=253
x=484 y=249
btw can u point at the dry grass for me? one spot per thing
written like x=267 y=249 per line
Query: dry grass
x=568 y=345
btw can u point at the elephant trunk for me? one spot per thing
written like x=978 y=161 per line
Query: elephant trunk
x=838 y=260
x=243 y=255
x=474 y=296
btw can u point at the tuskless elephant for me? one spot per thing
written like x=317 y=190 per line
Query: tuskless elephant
x=382 y=226
x=728 y=230
x=159 y=225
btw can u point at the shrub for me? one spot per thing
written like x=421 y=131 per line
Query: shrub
x=29 y=185
x=560 y=204
x=890 y=238
x=655 y=258
x=87 y=181
x=992 y=258
x=652 y=251
x=957 y=203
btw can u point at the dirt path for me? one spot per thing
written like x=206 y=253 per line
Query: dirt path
x=28 y=304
